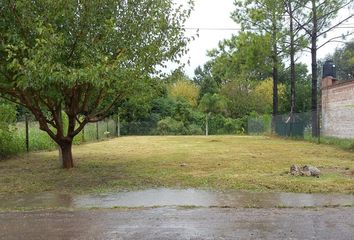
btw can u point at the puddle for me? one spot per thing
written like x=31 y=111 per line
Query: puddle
x=176 y=197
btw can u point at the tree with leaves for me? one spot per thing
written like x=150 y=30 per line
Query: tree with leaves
x=295 y=42
x=204 y=79
x=241 y=55
x=344 y=60
x=266 y=17
x=317 y=18
x=83 y=58
x=7 y=120
x=209 y=104
x=185 y=89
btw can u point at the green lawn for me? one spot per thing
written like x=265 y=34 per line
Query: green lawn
x=217 y=162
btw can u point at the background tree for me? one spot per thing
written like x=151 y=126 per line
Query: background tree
x=240 y=97
x=302 y=85
x=263 y=96
x=209 y=104
x=83 y=57
x=266 y=17
x=316 y=18
x=241 y=55
x=344 y=60
x=204 y=79
x=185 y=89
x=295 y=42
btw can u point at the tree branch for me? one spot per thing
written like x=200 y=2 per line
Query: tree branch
x=334 y=26
x=331 y=40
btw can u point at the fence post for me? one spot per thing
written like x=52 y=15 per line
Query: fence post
x=97 y=137
x=27 y=133
x=319 y=116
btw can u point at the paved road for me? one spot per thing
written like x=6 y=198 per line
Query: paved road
x=180 y=223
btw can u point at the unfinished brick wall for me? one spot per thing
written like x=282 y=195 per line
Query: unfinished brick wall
x=337 y=108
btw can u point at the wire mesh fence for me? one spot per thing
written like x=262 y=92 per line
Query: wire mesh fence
x=298 y=125
x=30 y=138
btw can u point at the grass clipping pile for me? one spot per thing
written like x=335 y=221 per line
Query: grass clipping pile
x=307 y=171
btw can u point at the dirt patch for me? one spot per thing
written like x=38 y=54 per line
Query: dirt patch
x=350 y=173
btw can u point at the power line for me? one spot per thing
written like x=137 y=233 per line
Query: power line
x=239 y=29
x=212 y=29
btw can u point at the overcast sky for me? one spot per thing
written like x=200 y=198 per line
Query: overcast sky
x=216 y=14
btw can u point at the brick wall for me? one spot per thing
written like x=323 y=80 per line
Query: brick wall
x=337 y=108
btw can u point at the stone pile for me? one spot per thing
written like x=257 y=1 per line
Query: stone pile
x=308 y=171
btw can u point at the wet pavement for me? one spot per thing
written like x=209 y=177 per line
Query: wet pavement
x=175 y=197
x=177 y=223
x=177 y=214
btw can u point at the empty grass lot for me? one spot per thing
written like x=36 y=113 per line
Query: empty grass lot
x=216 y=162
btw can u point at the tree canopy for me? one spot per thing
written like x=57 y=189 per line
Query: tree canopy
x=344 y=60
x=83 y=57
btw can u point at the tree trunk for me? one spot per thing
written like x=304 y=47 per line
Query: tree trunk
x=292 y=61
x=314 y=71
x=275 y=90
x=292 y=69
x=66 y=154
x=275 y=74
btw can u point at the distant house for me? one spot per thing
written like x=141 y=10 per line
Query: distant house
x=337 y=105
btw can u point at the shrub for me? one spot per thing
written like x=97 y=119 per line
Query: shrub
x=194 y=129
x=170 y=126
x=8 y=142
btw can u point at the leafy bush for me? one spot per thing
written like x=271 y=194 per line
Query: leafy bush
x=232 y=126
x=194 y=129
x=170 y=126
x=8 y=142
x=219 y=124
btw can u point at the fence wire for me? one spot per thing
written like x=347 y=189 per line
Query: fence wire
x=297 y=125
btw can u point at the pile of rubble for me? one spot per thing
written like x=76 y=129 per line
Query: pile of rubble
x=308 y=171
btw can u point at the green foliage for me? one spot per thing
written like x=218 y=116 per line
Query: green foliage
x=85 y=58
x=212 y=103
x=219 y=124
x=182 y=111
x=204 y=79
x=38 y=140
x=8 y=142
x=259 y=124
x=303 y=89
x=195 y=129
x=163 y=107
x=242 y=55
x=7 y=114
x=170 y=126
x=184 y=89
x=264 y=90
x=239 y=95
x=346 y=144
x=344 y=61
